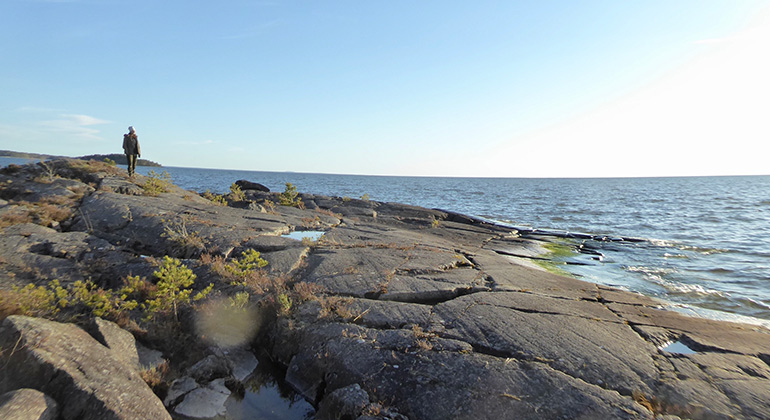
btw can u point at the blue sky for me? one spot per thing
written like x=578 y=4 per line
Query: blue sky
x=440 y=88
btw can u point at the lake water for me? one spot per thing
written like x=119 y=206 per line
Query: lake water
x=707 y=239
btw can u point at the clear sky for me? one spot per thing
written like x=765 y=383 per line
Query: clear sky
x=537 y=88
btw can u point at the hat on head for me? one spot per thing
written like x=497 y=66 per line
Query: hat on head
x=131 y=129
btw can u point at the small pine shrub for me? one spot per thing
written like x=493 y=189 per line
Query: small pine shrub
x=242 y=268
x=100 y=302
x=236 y=193
x=290 y=197
x=174 y=282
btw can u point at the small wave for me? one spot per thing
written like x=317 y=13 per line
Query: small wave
x=693 y=289
x=652 y=271
x=758 y=303
x=667 y=255
x=703 y=251
x=662 y=243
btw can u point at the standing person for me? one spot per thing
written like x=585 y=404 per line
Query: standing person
x=131 y=149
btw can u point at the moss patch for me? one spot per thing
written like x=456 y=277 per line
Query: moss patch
x=556 y=254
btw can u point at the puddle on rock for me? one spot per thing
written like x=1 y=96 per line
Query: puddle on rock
x=268 y=397
x=299 y=235
x=676 y=347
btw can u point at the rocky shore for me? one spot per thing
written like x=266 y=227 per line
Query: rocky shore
x=396 y=312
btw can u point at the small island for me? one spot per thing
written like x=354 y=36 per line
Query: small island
x=118 y=158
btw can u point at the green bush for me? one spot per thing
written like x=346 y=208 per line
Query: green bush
x=236 y=193
x=157 y=184
x=48 y=301
x=290 y=197
x=284 y=303
x=218 y=199
x=240 y=301
x=174 y=281
x=242 y=268
x=38 y=300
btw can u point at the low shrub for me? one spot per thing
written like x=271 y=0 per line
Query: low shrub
x=290 y=197
x=236 y=193
x=156 y=184
x=188 y=242
x=173 y=288
x=217 y=199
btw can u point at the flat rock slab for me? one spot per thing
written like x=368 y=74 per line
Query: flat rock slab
x=608 y=354
x=452 y=384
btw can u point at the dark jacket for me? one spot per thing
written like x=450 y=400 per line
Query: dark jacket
x=131 y=144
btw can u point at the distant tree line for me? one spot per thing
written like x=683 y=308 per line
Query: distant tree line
x=119 y=158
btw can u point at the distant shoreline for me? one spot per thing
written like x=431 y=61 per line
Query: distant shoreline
x=119 y=158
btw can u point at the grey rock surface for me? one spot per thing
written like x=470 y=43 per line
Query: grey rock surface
x=121 y=343
x=78 y=372
x=27 y=404
x=347 y=402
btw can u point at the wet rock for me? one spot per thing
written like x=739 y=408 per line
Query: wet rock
x=79 y=373
x=209 y=368
x=205 y=402
x=242 y=362
x=27 y=404
x=179 y=388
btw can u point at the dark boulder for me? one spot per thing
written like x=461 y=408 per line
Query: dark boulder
x=248 y=185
